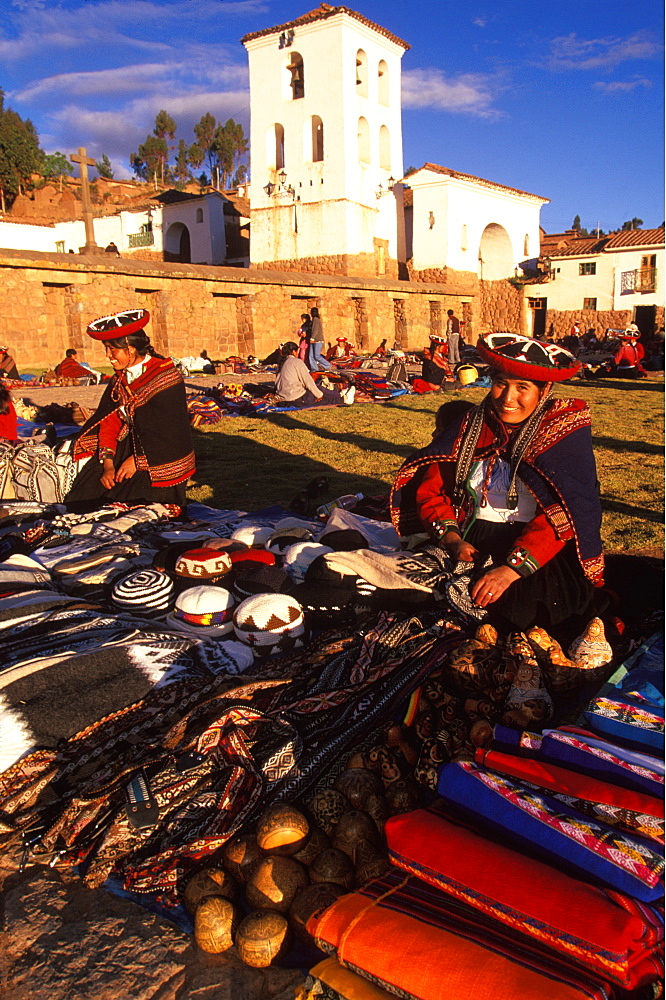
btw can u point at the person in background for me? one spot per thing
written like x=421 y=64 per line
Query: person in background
x=453 y=337
x=8 y=418
x=435 y=368
x=380 y=352
x=304 y=337
x=8 y=367
x=315 y=358
x=69 y=367
x=295 y=385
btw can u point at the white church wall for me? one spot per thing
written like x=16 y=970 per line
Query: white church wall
x=65 y=236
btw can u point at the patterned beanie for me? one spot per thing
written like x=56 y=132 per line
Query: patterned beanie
x=203 y=611
x=145 y=592
x=203 y=564
x=255 y=578
x=270 y=623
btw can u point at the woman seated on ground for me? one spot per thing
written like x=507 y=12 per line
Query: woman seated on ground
x=139 y=440
x=435 y=368
x=514 y=479
x=8 y=417
x=295 y=385
x=341 y=350
x=8 y=367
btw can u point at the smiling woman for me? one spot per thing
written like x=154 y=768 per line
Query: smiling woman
x=514 y=479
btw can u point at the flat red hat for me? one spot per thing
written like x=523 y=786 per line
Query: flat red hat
x=119 y=325
x=523 y=357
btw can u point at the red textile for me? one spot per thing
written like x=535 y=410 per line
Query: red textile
x=560 y=779
x=69 y=368
x=614 y=936
x=9 y=423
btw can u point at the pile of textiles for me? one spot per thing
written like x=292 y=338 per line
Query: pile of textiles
x=112 y=669
x=538 y=872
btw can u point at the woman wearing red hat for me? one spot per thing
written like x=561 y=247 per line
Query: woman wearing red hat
x=514 y=479
x=138 y=440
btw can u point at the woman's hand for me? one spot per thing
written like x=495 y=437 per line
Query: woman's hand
x=492 y=585
x=458 y=548
x=108 y=477
x=126 y=470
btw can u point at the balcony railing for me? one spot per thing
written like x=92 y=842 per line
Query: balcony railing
x=140 y=240
x=643 y=279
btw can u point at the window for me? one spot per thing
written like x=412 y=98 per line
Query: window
x=317 y=139
x=463 y=236
x=279 y=146
x=588 y=267
x=590 y=304
x=526 y=245
x=363 y=140
x=538 y=303
x=297 y=82
x=361 y=73
x=60 y=246
x=383 y=82
x=384 y=148
x=199 y=215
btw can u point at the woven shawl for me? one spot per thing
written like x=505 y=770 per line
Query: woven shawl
x=558 y=468
x=156 y=409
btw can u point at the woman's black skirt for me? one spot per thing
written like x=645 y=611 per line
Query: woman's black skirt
x=559 y=592
x=87 y=492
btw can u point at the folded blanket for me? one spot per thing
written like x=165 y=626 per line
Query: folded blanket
x=550 y=830
x=632 y=811
x=429 y=960
x=329 y=979
x=600 y=758
x=601 y=932
x=630 y=721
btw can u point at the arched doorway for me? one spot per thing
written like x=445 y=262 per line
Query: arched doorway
x=177 y=243
x=496 y=257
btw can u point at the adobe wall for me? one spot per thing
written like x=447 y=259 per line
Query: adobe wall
x=47 y=300
x=559 y=322
x=502 y=307
x=360 y=265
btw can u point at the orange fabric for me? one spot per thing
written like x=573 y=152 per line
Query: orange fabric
x=424 y=961
x=347 y=983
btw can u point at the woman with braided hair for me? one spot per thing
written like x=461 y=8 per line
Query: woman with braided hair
x=514 y=479
x=138 y=441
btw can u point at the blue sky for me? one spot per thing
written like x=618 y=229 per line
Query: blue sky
x=562 y=99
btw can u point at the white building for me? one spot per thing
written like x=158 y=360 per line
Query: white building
x=614 y=274
x=128 y=230
x=193 y=227
x=469 y=224
x=326 y=139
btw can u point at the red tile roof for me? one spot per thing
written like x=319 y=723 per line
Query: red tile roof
x=436 y=168
x=636 y=238
x=323 y=11
x=625 y=239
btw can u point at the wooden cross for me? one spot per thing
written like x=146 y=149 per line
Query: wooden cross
x=85 y=162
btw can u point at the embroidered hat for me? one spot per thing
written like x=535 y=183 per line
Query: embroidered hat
x=253 y=534
x=203 y=564
x=521 y=357
x=145 y=591
x=119 y=325
x=204 y=611
x=298 y=557
x=270 y=623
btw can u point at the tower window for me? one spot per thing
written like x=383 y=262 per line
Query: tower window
x=383 y=82
x=199 y=215
x=279 y=146
x=463 y=236
x=363 y=140
x=384 y=148
x=361 y=73
x=526 y=245
x=317 y=139
x=297 y=82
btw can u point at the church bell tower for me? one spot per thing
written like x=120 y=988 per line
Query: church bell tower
x=326 y=144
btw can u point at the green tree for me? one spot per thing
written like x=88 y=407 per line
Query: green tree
x=632 y=223
x=103 y=167
x=20 y=155
x=56 y=165
x=182 y=171
x=152 y=157
x=576 y=222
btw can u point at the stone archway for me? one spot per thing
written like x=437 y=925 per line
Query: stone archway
x=496 y=257
x=177 y=243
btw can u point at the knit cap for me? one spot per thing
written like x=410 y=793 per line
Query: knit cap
x=203 y=611
x=256 y=578
x=288 y=535
x=253 y=534
x=203 y=564
x=298 y=557
x=270 y=623
x=145 y=591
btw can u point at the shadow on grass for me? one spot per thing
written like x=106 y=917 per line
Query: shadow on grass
x=246 y=475
x=364 y=443
x=624 y=384
x=621 y=446
x=642 y=513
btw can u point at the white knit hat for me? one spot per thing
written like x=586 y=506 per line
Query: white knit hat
x=253 y=534
x=297 y=558
x=270 y=623
x=203 y=611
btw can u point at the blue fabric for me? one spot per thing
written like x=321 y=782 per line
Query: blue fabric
x=549 y=830
x=631 y=769
x=631 y=721
x=28 y=429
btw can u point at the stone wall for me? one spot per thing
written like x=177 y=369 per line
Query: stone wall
x=48 y=299
x=559 y=322
x=502 y=307
x=360 y=265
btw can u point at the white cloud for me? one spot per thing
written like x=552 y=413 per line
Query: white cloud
x=571 y=52
x=480 y=22
x=620 y=86
x=469 y=93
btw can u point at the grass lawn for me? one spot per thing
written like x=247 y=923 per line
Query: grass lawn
x=248 y=463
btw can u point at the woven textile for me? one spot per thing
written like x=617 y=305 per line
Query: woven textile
x=628 y=720
x=548 y=829
x=429 y=959
x=577 y=749
x=509 y=896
